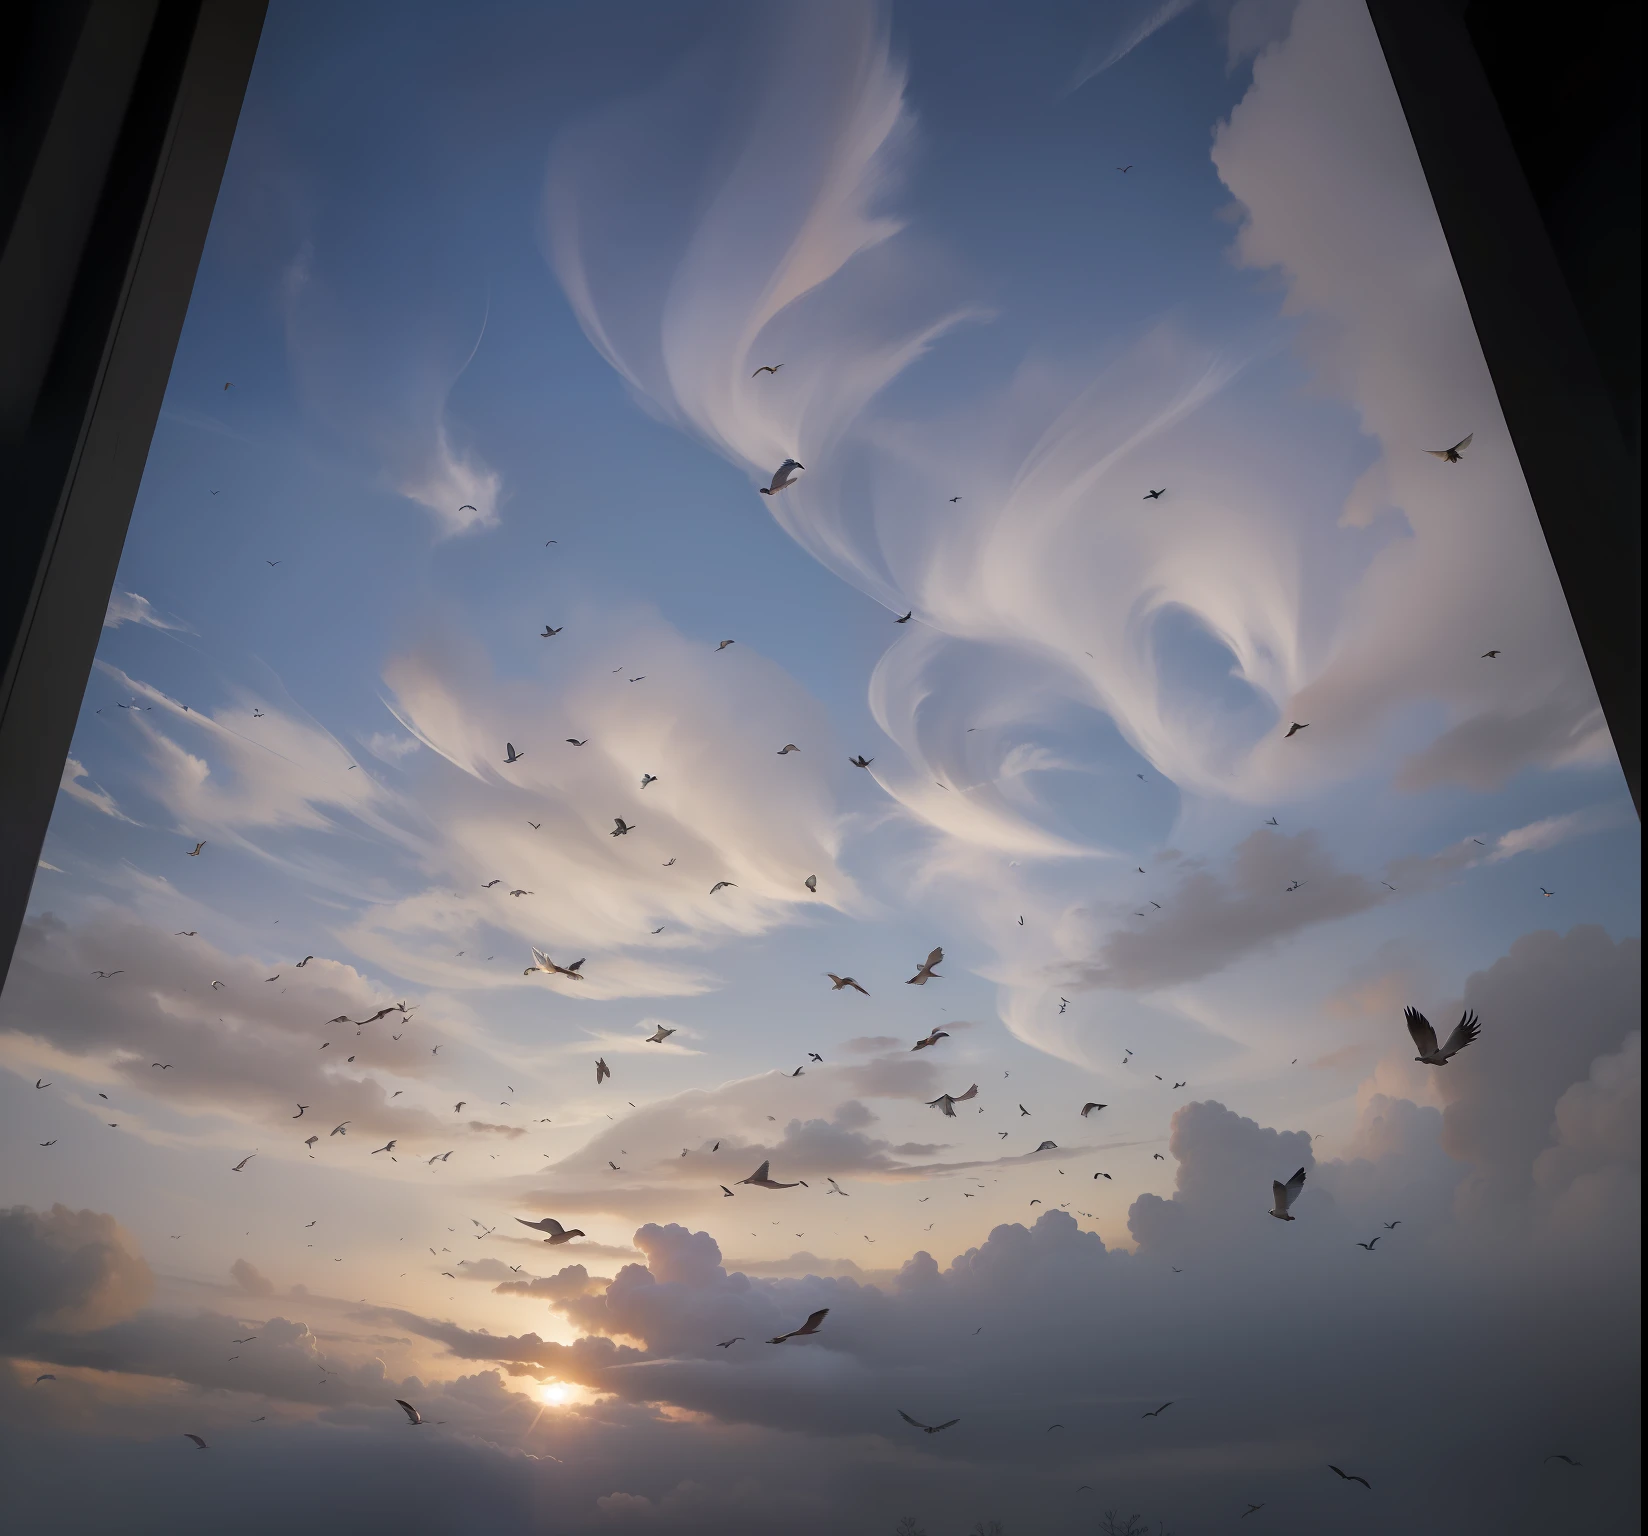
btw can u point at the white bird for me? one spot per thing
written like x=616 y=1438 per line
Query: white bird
x=659 y=1035
x=557 y=1233
x=1451 y=455
x=945 y=1103
x=760 y=1177
x=925 y=972
x=542 y=962
x=1285 y=1194
x=783 y=478
x=1424 y=1037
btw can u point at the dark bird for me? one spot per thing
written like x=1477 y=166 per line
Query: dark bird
x=1124 y=169
x=934 y=1036
x=926 y=1429
x=722 y=885
x=548 y=632
x=1048 y=1146
x=725 y=1191
x=301 y=1108
x=1155 y=495
x=925 y=972
x=1424 y=1037
x=412 y=1414
x=309 y=1141
x=1156 y=1412
x=304 y=961
x=490 y=883
x=200 y=1445
x=194 y=853
x=1295 y=728
x=41 y=1083
x=523 y=893
x=906 y=619
x=1284 y=1195
x=1252 y=1509
x=602 y=1070
x=388 y=1146
x=1488 y=655
x=768 y=368
x=728 y=1343
x=620 y=827
x=861 y=761
x=814 y=1056
x=760 y=1177
x=189 y=933
x=572 y=741
x=1103 y=1176
x=1558 y=1456
x=1391 y=1226
x=1451 y=455
x=788 y=747
x=466 y=507
x=808 y=1327
x=846 y=981
x=811 y=882
x=1087 y=1109
x=243 y=1162
x=47 y=1376
x=1542 y=892
x=1023 y=1111
x=166 y=1066
x=1368 y=1246
x=510 y=754
x=557 y=1233
x=1351 y=1477
x=945 y=1103
x=782 y=478
x=725 y=643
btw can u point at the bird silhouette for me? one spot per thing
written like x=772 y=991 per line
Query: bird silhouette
x=557 y=1233
x=782 y=477
x=1351 y=1477
x=1451 y=455
x=926 y=1429
x=1157 y=1412
x=768 y=368
x=1424 y=1037
x=1285 y=1194
x=1295 y=728
x=807 y=1328
x=844 y=981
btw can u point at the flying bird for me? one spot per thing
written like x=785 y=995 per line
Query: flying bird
x=934 y=1036
x=620 y=827
x=727 y=1192
x=194 y=853
x=200 y=1445
x=572 y=741
x=760 y=1177
x=602 y=1070
x=906 y=619
x=773 y=369
x=1285 y=1194
x=1542 y=892
x=1554 y=1456
x=925 y=972
x=835 y=1189
x=1295 y=728
x=926 y=1429
x=1451 y=455
x=811 y=882
x=301 y=1108
x=309 y=1141
x=1488 y=656
x=243 y=1162
x=1048 y=1146
x=725 y=643
x=1156 y=1412
x=1351 y=1477
x=466 y=507
x=542 y=962
x=548 y=632
x=510 y=754
x=846 y=981
x=1368 y=1246
x=782 y=478
x=861 y=761
x=945 y=1103
x=789 y=746
x=1252 y=1509
x=1424 y=1037
x=1155 y=495
x=807 y=1328
x=412 y=1414
x=648 y=778
x=722 y=885
x=1391 y=1226
x=659 y=1035
x=557 y=1233
x=41 y=1083
x=388 y=1146
x=339 y=1130
x=1103 y=1176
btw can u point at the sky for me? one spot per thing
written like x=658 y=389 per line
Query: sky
x=1116 y=342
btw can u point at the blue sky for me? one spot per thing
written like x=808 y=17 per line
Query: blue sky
x=470 y=354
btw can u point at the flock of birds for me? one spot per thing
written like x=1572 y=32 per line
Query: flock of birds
x=1430 y=1051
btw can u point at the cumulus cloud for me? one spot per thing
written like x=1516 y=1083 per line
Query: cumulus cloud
x=68 y=1271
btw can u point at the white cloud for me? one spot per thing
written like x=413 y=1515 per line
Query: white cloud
x=87 y=794
x=129 y=608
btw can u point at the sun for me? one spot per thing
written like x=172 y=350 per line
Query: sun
x=554 y=1394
